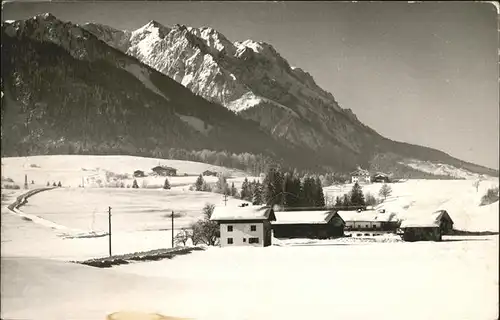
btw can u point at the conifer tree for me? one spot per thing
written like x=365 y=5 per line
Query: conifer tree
x=234 y=192
x=357 y=196
x=199 y=183
x=271 y=186
x=257 y=194
x=346 y=201
x=288 y=190
x=320 y=196
x=166 y=185
x=135 y=185
x=338 y=202
x=306 y=194
x=245 y=190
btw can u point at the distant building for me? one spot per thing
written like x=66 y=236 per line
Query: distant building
x=369 y=220
x=209 y=173
x=423 y=226
x=360 y=176
x=308 y=224
x=244 y=225
x=380 y=177
x=164 y=171
x=139 y=174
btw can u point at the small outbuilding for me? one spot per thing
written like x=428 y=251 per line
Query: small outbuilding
x=209 y=173
x=308 y=224
x=164 y=171
x=244 y=225
x=380 y=177
x=423 y=226
x=139 y=174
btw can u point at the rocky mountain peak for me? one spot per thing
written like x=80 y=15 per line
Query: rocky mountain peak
x=45 y=16
x=152 y=27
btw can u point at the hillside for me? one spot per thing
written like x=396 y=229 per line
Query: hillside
x=67 y=92
x=459 y=197
x=176 y=92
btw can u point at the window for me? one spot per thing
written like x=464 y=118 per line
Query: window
x=229 y=228
x=229 y=240
x=253 y=228
x=244 y=239
x=253 y=240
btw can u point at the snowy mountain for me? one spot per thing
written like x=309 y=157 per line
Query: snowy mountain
x=252 y=79
x=227 y=96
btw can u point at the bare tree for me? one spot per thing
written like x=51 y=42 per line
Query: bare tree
x=182 y=237
x=204 y=230
x=208 y=209
x=385 y=191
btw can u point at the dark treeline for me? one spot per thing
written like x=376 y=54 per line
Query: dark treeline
x=285 y=188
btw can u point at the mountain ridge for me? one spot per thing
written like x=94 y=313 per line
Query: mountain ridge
x=288 y=107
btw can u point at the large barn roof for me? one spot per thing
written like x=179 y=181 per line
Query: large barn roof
x=370 y=215
x=303 y=217
x=242 y=213
x=424 y=219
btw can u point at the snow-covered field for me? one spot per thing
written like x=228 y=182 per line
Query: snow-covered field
x=299 y=279
x=458 y=197
x=72 y=169
x=453 y=279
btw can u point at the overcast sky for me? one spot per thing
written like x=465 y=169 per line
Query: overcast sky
x=424 y=73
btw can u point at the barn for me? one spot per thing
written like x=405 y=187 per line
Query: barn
x=164 y=171
x=424 y=226
x=209 y=173
x=380 y=177
x=307 y=224
x=370 y=220
x=244 y=225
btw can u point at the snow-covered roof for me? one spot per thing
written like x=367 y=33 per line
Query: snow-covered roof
x=369 y=215
x=224 y=213
x=423 y=219
x=299 y=217
x=360 y=172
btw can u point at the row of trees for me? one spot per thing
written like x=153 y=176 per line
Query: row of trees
x=286 y=189
x=355 y=199
x=221 y=186
x=135 y=185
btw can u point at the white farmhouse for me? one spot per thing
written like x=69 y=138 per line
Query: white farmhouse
x=244 y=225
x=360 y=176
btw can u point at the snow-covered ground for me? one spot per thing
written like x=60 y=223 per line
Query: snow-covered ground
x=453 y=279
x=72 y=169
x=348 y=278
x=458 y=197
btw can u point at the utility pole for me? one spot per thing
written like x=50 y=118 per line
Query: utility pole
x=25 y=181
x=109 y=231
x=172 y=228
x=225 y=199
